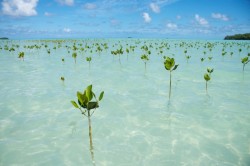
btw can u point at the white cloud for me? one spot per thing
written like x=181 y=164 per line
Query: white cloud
x=66 y=2
x=178 y=17
x=114 y=22
x=67 y=30
x=146 y=17
x=172 y=26
x=19 y=7
x=90 y=6
x=201 y=21
x=48 y=14
x=154 y=7
x=220 y=16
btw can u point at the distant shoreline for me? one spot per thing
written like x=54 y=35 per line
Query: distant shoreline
x=245 y=36
x=4 y=38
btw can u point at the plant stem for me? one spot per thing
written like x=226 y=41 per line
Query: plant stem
x=90 y=139
x=119 y=60
x=145 y=64
x=170 y=85
x=206 y=86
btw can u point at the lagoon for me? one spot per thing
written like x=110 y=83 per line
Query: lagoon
x=137 y=123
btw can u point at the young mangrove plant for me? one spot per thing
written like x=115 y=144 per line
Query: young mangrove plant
x=86 y=106
x=244 y=61
x=202 y=59
x=207 y=78
x=127 y=51
x=185 y=52
x=169 y=65
x=240 y=51
x=88 y=59
x=21 y=55
x=210 y=58
x=145 y=58
x=74 y=55
x=62 y=78
x=188 y=57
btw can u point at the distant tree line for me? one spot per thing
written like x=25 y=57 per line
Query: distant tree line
x=3 y=38
x=245 y=36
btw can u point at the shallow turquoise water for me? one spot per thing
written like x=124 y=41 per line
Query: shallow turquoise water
x=136 y=123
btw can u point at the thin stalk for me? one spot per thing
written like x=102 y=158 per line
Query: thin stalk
x=119 y=60
x=90 y=140
x=170 y=85
x=145 y=64
x=206 y=86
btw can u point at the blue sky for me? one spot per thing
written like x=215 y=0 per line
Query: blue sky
x=191 y=19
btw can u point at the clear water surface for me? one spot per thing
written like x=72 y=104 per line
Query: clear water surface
x=136 y=123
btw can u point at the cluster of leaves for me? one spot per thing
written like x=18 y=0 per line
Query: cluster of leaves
x=118 y=52
x=21 y=55
x=85 y=101
x=88 y=59
x=169 y=64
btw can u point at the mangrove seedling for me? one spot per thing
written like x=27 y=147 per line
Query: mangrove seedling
x=210 y=58
x=62 y=59
x=21 y=55
x=169 y=64
x=244 y=61
x=185 y=52
x=127 y=51
x=202 y=59
x=85 y=105
x=207 y=78
x=88 y=59
x=74 y=55
x=145 y=58
x=240 y=51
x=188 y=57
x=62 y=78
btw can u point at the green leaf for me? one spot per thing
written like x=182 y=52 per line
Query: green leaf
x=80 y=97
x=175 y=67
x=101 y=95
x=74 y=104
x=207 y=77
x=244 y=60
x=169 y=63
x=210 y=70
x=89 y=93
x=92 y=105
